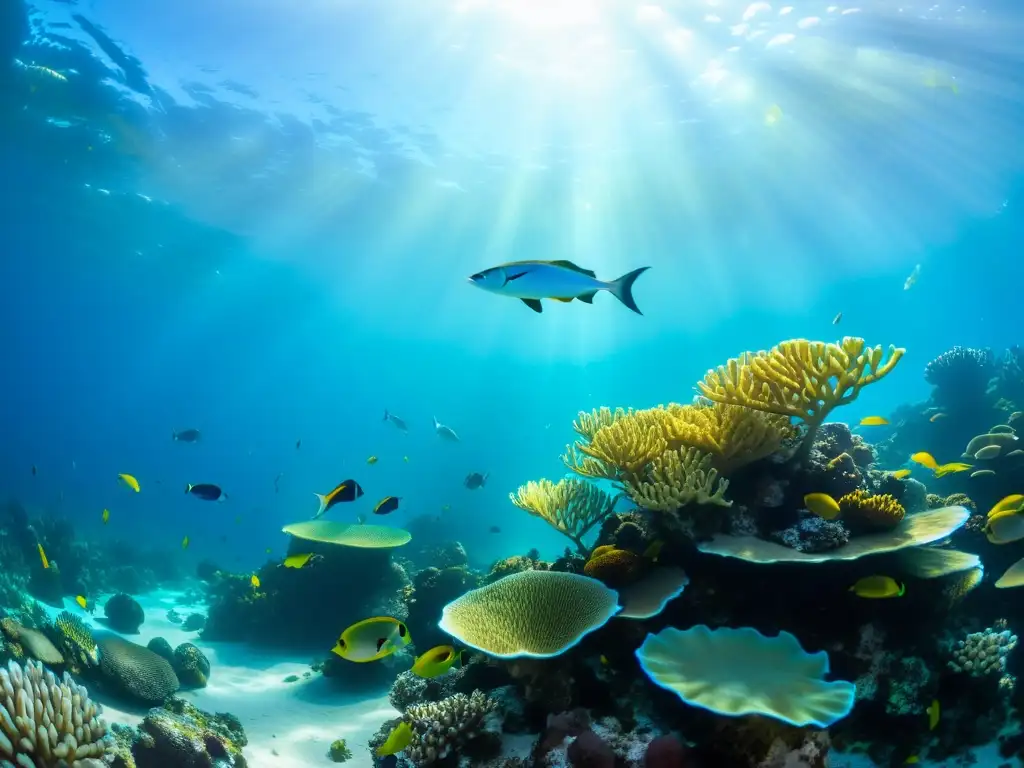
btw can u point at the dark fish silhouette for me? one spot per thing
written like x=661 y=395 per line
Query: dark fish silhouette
x=186 y=436
x=400 y=423
x=206 y=491
x=346 y=490
x=298 y=444
x=386 y=506
x=475 y=480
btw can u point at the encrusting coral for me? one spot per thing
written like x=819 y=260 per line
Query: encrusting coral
x=570 y=506
x=441 y=726
x=46 y=721
x=800 y=379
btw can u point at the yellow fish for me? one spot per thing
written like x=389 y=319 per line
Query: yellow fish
x=953 y=466
x=653 y=552
x=772 y=115
x=296 y=561
x=184 y=543
x=372 y=639
x=877 y=587
x=398 y=739
x=82 y=602
x=899 y=474
x=405 y=459
x=874 y=421
x=1011 y=503
x=106 y=516
x=1005 y=527
x=435 y=662
x=925 y=459
x=131 y=482
x=604 y=660
x=255 y=581
x=912 y=760
x=372 y=460
x=822 y=505
x=933 y=714
x=936 y=417
x=42 y=556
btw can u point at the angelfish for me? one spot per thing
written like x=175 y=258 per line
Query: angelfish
x=531 y=281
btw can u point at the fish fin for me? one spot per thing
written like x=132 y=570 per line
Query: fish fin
x=188 y=487
x=323 y=506
x=563 y=299
x=386 y=414
x=587 y=298
x=622 y=288
x=533 y=304
x=509 y=278
x=566 y=264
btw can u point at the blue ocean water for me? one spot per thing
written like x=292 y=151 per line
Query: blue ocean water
x=257 y=220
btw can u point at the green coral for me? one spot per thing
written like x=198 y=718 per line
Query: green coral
x=339 y=751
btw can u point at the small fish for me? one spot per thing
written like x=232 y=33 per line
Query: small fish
x=255 y=581
x=925 y=459
x=912 y=279
x=912 y=760
x=983 y=473
x=934 y=713
x=106 y=516
x=823 y=505
x=936 y=417
x=74 y=465
x=899 y=474
x=772 y=115
x=400 y=423
x=405 y=459
x=184 y=543
x=186 y=436
x=435 y=662
x=42 y=556
x=988 y=452
x=372 y=460
x=267 y=550
x=206 y=491
x=837 y=318
x=346 y=490
x=372 y=639
x=297 y=561
x=445 y=507
x=131 y=482
x=531 y=281
x=445 y=433
x=399 y=738
x=604 y=660
x=951 y=467
x=874 y=421
x=277 y=480
x=878 y=587
x=238 y=519
x=1014 y=416
x=82 y=602
x=298 y=444
x=386 y=505
x=475 y=480
x=494 y=529
x=34 y=470
x=360 y=519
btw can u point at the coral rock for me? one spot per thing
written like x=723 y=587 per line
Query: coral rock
x=665 y=752
x=124 y=614
x=589 y=750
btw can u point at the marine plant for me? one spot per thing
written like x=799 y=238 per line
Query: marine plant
x=571 y=506
x=339 y=751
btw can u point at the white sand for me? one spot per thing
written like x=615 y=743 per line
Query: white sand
x=289 y=725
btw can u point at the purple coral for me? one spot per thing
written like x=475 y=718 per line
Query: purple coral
x=813 y=534
x=962 y=373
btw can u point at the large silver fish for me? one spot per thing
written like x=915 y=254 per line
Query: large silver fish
x=531 y=281
x=445 y=433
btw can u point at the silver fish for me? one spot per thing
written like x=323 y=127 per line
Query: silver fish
x=400 y=423
x=445 y=433
x=531 y=281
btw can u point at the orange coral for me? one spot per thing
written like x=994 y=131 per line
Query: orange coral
x=875 y=512
x=614 y=567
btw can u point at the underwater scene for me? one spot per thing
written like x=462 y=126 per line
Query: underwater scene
x=511 y=384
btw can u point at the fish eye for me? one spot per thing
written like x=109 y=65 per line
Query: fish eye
x=477 y=276
x=401 y=630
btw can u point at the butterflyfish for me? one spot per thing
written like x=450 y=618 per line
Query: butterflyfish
x=372 y=639
x=206 y=491
x=1005 y=527
x=878 y=587
x=82 y=602
x=933 y=714
x=386 y=505
x=106 y=516
x=42 y=556
x=435 y=662
x=899 y=474
x=372 y=460
x=531 y=281
x=297 y=561
x=823 y=505
x=130 y=481
x=347 y=490
x=1011 y=503
x=255 y=581
x=874 y=421
x=399 y=738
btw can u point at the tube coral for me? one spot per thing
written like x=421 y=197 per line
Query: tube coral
x=571 y=507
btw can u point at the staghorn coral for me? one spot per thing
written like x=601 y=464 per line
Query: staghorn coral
x=678 y=478
x=47 y=722
x=570 y=506
x=442 y=726
x=800 y=379
x=863 y=511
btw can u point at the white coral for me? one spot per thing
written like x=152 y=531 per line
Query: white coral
x=983 y=653
x=440 y=726
x=47 y=722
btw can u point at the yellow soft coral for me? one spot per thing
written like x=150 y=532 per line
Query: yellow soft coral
x=799 y=378
x=572 y=507
x=587 y=424
x=875 y=512
x=678 y=478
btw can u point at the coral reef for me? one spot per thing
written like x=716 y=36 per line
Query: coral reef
x=446 y=725
x=180 y=734
x=572 y=506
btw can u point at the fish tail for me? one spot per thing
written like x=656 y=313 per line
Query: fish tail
x=622 y=288
x=188 y=487
x=174 y=435
x=323 y=506
x=436 y=422
x=386 y=415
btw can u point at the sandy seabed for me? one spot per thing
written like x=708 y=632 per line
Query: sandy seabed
x=289 y=725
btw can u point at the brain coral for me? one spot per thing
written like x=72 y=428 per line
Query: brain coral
x=742 y=672
x=879 y=512
x=46 y=721
x=135 y=670
x=191 y=666
x=532 y=613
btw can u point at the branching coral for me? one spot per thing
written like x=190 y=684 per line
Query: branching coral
x=678 y=478
x=878 y=512
x=45 y=721
x=441 y=726
x=572 y=507
x=800 y=379
x=983 y=653
x=587 y=424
